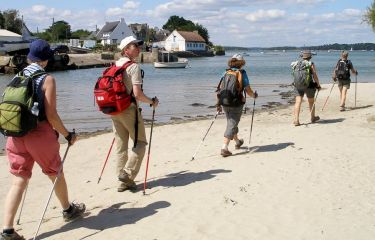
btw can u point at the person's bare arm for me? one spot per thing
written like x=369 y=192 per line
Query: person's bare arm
x=315 y=75
x=250 y=92
x=53 y=117
x=140 y=96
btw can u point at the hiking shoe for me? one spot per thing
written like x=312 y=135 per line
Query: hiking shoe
x=239 y=144
x=130 y=185
x=225 y=153
x=123 y=176
x=315 y=119
x=342 y=108
x=13 y=236
x=77 y=211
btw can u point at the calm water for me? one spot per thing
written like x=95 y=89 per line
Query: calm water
x=178 y=89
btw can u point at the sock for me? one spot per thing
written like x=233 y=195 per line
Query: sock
x=8 y=231
x=225 y=146
x=69 y=208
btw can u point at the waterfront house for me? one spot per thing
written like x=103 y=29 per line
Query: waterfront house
x=185 y=41
x=140 y=30
x=114 y=32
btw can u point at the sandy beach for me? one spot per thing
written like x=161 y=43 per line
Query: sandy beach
x=309 y=182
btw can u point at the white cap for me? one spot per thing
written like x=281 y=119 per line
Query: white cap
x=126 y=41
x=238 y=56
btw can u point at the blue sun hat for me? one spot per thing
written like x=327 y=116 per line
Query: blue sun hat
x=39 y=51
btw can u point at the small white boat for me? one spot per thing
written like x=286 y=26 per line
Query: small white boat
x=178 y=64
x=169 y=60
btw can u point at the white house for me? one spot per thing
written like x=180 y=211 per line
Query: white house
x=114 y=32
x=185 y=41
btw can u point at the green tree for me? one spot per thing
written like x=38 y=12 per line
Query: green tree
x=60 y=30
x=12 y=21
x=1 y=20
x=180 y=23
x=370 y=15
x=203 y=32
x=44 y=35
x=80 y=33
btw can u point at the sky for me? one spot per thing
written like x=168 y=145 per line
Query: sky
x=245 y=23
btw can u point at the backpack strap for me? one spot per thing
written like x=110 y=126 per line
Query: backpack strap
x=120 y=70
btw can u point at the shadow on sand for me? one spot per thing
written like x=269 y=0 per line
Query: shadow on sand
x=111 y=217
x=271 y=147
x=184 y=178
x=328 y=121
x=359 y=107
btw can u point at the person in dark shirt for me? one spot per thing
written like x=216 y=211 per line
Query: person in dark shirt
x=341 y=74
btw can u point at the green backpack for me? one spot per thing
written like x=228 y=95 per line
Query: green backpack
x=16 y=117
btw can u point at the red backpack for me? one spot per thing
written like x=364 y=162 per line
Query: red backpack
x=110 y=90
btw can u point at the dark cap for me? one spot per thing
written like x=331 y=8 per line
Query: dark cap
x=39 y=51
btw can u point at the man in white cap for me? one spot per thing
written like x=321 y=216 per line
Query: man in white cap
x=124 y=122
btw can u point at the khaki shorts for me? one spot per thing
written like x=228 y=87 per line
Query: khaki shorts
x=344 y=83
x=310 y=92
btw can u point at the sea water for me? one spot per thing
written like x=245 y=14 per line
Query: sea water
x=190 y=92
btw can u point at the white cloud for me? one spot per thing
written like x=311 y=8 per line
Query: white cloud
x=38 y=8
x=114 y=11
x=131 y=5
x=262 y=15
x=352 y=12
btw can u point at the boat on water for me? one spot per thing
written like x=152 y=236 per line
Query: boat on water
x=170 y=60
x=12 y=42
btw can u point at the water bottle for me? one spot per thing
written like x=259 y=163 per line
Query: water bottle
x=35 y=109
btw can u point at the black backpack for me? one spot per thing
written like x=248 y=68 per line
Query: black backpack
x=342 y=70
x=230 y=89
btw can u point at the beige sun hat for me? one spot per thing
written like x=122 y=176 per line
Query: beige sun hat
x=126 y=41
x=306 y=54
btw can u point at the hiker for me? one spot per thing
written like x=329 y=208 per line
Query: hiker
x=310 y=78
x=124 y=122
x=231 y=99
x=40 y=145
x=341 y=73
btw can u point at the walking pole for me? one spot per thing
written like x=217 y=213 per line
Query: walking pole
x=196 y=151
x=23 y=201
x=251 y=126
x=105 y=163
x=355 y=92
x=313 y=106
x=148 y=152
x=328 y=95
x=53 y=188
